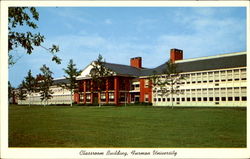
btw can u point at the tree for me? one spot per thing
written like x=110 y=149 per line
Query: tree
x=25 y=16
x=72 y=73
x=45 y=83
x=29 y=84
x=10 y=93
x=21 y=91
x=169 y=83
x=99 y=73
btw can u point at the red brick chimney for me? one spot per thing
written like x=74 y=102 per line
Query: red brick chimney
x=176 y=54
x=136 y=62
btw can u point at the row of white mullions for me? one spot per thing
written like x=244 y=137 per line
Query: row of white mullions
x=208 y=92
x=55 y=98
x=216 y=75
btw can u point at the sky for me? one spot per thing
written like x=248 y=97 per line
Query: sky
x=120 y=33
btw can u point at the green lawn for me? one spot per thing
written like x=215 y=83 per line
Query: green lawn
x=134 y=126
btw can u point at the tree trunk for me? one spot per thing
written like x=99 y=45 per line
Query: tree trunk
x=44 y=100
x=71 y=98
x=29 y=98
x=99 y=98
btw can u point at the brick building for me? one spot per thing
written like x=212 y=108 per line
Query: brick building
x=219 y=80
x=215 y=80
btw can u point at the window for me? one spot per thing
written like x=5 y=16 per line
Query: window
x=155 y=99
x=243 y=74
x=230 y=91
x=237 y=98
x=103 y=96
x=199 y=77
x=223 y=91
x=217 y=91
x=168 y=99
x=216 y=76
x=243 y=91
x=244 y=99
x=193 y=77
x=183 y=99
x=211 y=99
x=223 y=76
x=111 y=96
x=223 y=98
x=146 y=83
x=193 y=99
x=88 y=96
x=230 y=98
x=229 y=75
x=236 y=75
x=146 y=97
x=199 y=92
x=178 y=99
x=173 y=99
x=204 y=77
x=193 y=92
x=188 y=99
x=159 y=99
x=210 y=76
x=199 y=99
x=217 y=98
x=236 y=91
x=204 y=98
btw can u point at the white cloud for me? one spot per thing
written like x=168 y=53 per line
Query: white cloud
x=108 y=21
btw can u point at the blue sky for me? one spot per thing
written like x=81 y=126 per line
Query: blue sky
x=119 y=33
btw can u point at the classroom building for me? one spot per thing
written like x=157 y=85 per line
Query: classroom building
x=219 y=80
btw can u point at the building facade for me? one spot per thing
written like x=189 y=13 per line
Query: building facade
x=209 y=81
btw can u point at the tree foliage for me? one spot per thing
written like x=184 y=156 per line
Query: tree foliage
x=169 y=82
x=45 y=83
x=26 y=16
x=21 y=93
x=99 y=73
x=71 y=73
x=10 y=92
x=29 y=84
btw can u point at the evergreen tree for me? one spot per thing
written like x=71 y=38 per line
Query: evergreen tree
x=99 y=73
x=22 y=91
x=71 y=74
x=45 y=83
x=29 y=84
x=10 y=92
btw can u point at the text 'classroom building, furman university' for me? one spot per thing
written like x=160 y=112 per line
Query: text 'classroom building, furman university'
x=209 y=81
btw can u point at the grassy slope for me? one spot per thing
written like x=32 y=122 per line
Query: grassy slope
x=126 y=127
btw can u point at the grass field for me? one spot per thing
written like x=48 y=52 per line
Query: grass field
x=137 y=126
